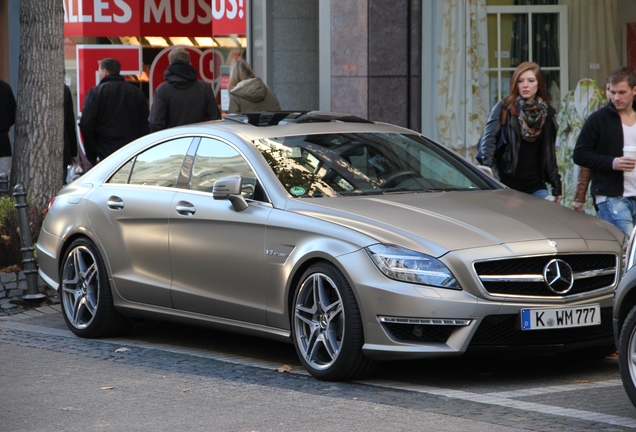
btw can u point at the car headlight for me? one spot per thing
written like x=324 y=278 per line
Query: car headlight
x=409 y=266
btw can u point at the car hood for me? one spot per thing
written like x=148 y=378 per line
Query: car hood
x=447 y=221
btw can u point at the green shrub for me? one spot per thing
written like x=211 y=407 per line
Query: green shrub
x=10 y=241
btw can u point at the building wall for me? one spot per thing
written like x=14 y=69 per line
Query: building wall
x=9 y=41
x=395 y=34
x=294 y=62
x=375 y=60
x=350 y=57
x=4 y=36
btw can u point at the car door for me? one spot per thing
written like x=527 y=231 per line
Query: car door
x=130 y=215
x=216 y=253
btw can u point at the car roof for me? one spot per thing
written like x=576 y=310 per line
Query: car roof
x=254 y=126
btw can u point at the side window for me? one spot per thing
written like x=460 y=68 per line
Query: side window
x=121 y=176
x=157 y=166
x=215 y=160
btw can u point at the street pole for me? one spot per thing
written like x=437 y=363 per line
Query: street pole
x=28 y=258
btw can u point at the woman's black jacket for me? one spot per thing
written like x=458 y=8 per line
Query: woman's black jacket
x=505 y=160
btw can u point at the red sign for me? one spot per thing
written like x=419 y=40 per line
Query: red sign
x=101 y=18
x=229 y=17
x=154 y=17
x=88 y=57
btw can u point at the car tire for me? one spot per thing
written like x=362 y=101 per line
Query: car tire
x=627 y=355
x=327 y=326
x=85 y=294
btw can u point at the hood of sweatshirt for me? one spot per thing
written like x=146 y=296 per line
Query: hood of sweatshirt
x=180 y=74
x=252 y=89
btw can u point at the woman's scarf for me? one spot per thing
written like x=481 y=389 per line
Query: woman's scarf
x=532 y=116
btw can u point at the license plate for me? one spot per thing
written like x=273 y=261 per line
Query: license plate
x=545 y=319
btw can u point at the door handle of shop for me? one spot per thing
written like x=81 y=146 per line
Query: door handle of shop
x=184 y=208
x=115 y=203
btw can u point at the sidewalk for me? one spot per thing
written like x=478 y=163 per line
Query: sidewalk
x=13 y=285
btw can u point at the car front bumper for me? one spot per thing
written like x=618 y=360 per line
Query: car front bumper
x=408 y=321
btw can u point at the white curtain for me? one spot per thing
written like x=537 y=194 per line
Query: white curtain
x=462 y=75
x=592 y=47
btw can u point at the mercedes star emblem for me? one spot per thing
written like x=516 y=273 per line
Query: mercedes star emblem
x=558 y=275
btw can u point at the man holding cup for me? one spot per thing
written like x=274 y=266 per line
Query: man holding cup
x=607 y=146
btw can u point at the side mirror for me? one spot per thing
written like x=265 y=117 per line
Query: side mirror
x=485 y=169
x=229 y=188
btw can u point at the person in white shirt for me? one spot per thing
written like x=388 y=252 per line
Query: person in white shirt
x=606 y=137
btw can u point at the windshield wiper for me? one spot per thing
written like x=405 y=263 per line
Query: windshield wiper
x=360 y=193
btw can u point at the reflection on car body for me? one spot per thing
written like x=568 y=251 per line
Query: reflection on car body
x=355 y=241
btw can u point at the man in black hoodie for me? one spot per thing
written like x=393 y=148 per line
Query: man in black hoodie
x=181 y=99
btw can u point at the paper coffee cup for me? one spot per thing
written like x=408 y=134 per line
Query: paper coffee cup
x=629 y=151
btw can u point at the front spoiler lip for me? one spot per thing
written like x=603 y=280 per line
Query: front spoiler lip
x=439 y=350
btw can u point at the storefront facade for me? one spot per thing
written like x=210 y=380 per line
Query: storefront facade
x=435 y=66
x=140 y=34
x=439 y=66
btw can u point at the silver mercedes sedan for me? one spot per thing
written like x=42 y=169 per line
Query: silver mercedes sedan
x=355 y=241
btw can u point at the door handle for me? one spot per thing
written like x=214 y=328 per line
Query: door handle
x=185 y=208
x=115 y=203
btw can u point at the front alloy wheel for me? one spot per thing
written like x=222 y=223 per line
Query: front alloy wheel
x=327 y=328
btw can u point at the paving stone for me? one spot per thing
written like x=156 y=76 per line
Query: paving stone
x=14 y=293
x=33 y=313
x=6 y=304
x=47 y=310
x=7 y=277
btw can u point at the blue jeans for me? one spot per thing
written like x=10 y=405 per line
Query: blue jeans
x=619 y=211
x=541 y=193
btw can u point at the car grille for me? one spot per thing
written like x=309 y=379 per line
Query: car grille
x=505 y=331
x=524 y=276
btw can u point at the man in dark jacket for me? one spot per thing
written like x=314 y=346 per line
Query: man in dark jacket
x=115 y=113
x=7 y=119
x=181 y=99
x=600 y=147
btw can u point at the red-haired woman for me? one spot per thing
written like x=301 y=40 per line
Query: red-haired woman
x=525 y=127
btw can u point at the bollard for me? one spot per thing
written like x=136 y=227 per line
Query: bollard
x=4 y=184
x=28 y=258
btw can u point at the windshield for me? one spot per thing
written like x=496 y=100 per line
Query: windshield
x=331 y=165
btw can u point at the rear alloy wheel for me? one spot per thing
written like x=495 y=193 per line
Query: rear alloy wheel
x=85 y=294
x=627 y=355
x=326 y=326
